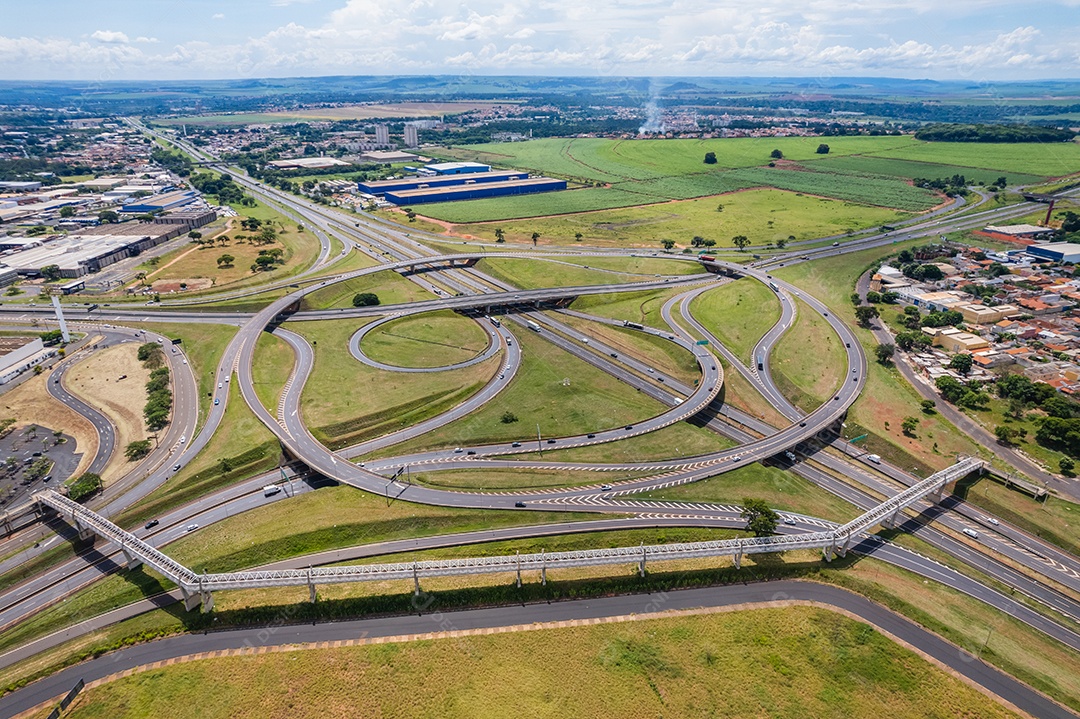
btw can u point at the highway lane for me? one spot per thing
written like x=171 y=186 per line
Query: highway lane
x=780 y=593
x=103 y=426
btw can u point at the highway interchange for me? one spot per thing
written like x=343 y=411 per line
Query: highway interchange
x=1050 y=573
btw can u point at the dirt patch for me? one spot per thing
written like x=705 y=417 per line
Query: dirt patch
x=196 y=283
x=97 y=381
x=30 y=403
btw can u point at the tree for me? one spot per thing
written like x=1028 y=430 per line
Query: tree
x=710 y=158
x=865 y=314
x=873 y=297
x=961 y=363
x=1066 y=465
x=928 y=406
x=195 y=235
x=781 y=243
x=365 y=299
x=667 y=244
x=137 y=450
x=699 y=241
x=1005 y=434
x=740 y=241
x=67 y=211
x=500 y=236
x=884 y=353
x=776 y=155
x=909 y=425
x=822 y=149
x=225 y=260
x=855 y=299
x=578 y=236
x=508 y=418
x=107 y=216
x=51 y=273
x=1071 y=222
x=535 y=237
x=84 y=486
x=51 y=337
x=761 y=519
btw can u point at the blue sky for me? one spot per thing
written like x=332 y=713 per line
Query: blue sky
x=975 y=40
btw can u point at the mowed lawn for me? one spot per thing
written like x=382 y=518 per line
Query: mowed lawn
x=553 y=390
x=346 y=401
x=738 y=314
x=808 y=362
x=390 y=287
x=887 y=398
x=790 y=662
x=780 y=489
x=432 y=339
x=763 y=215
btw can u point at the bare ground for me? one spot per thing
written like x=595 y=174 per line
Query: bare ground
x=96 y=380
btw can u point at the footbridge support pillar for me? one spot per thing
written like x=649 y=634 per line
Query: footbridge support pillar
x=738 y=557
x=416 y=581
x=641 y=565
x=311 y=587
x=132 y=562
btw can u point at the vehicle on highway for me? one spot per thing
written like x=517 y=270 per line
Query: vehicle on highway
x=591 y=436
x=551 y=441
x=458 y=450
x=629 y=426
x=736 y=458
x=532 y=325
x=789 y=520
x=191 y=527
x=605 y=487
x=515 y=444
x=176 y=468
x=219 y=385
x=151 y=524
x=971 y=533
x=183 y=439
x=875 y=458
x=216 y=401
x=270 y=490
x=992 y=521
x=519 y=504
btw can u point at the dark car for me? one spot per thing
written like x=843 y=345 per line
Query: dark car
x=151 y=524
x=519 y=504
x=551 y=441
x=629 y=426
x=515 y=444
x=591 y=436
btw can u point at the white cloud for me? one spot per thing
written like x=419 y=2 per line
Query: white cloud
x=218 y=16
x=109 y=36
x=611 y=37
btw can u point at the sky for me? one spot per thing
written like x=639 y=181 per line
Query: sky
x=971 y=40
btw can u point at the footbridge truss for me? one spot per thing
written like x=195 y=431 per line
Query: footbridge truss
x=198 y=588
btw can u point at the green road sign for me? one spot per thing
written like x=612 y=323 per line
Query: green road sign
x=856 y=439
x=703 y=342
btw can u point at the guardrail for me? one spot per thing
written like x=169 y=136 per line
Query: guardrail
x=198 y=588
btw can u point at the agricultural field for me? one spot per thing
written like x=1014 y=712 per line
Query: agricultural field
x=629 y=173
x=909 y=169
x=763 y=215
x=794 y=661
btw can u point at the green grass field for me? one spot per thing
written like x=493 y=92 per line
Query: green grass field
x=886 y=398
x=348 y=401
x=643 y=307
x=537 y=274
x=1046 y=159
x=656 y=351
x=555 y=390
x=501 y=480
x=1056 y=520
x=432 y=339
x=782 y=490
x=808 y=362
x=203 y=345
x=738 y=313
x=270 y=370
x=391 y=288
x=679 y=440
x=763 y=215
x=910 y=169
x=798 y=661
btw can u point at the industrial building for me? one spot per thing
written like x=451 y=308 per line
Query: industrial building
x=387 y=157
x=88 y=250
x=379 y=187
x=453 y=168
x=1056 y=252
x=18 y=354
x=307 y=163
x=160 y=203
x=473 y=191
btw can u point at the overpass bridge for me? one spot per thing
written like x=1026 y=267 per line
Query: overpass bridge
x=197 y=589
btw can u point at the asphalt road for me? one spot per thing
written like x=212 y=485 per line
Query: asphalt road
x=957 y=659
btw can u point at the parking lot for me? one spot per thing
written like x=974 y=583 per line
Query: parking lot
x=32 y=457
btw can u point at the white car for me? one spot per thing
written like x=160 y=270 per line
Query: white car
x=191 y=528
x=457 y=450
x=183 y=439
x=219 y=385
x=993 y=521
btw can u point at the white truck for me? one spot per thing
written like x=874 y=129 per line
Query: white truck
x=876 y=459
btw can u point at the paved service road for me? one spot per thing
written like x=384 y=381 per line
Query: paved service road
x=955 y=658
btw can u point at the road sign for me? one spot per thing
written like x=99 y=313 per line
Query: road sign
x=856 y=439
x=703 y=342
